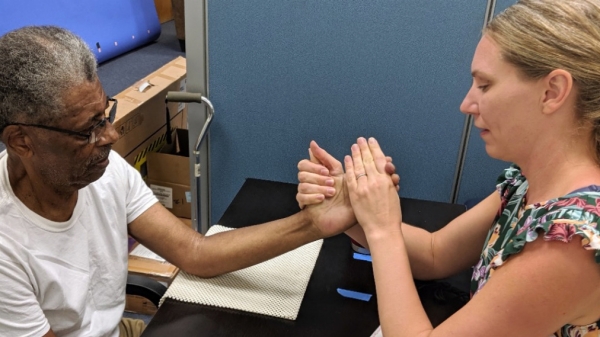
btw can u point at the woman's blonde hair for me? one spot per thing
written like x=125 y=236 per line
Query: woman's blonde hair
x=539 y=36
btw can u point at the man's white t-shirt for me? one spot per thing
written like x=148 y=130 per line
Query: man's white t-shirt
x=69 y=276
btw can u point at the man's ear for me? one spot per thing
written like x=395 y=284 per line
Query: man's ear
x=558 y=86
x=17 y=141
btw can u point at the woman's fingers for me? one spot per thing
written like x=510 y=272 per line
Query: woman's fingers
x=357 y=164
x=379 y=159
x=350 y=171
x=366 y=158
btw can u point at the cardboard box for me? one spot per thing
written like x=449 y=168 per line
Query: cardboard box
x=169 y=175
x=188 y=222
x=137 y=157
x=141 y=111
x=139 y=305
x=160 y=271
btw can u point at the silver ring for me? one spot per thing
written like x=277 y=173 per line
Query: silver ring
x=361 y=175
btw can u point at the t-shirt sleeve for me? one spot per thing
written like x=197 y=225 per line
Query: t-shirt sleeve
x=139 y=195
x=20 y=313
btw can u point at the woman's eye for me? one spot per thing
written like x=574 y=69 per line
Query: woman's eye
x=483 y=87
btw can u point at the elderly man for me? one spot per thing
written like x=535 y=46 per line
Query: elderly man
x=68 y=202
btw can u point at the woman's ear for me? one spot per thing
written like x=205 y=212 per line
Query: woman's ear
x=558 y=86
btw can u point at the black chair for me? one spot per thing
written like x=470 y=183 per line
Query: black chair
x=145 y=287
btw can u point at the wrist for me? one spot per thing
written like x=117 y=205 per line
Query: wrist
x=381 y=233
x=308 y=225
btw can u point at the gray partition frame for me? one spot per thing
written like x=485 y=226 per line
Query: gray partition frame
x=196 y=35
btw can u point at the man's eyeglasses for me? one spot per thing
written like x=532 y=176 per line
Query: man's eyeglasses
x=95 y=131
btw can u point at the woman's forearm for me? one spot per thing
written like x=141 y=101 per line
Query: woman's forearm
x=400 y=310
x=418 y=246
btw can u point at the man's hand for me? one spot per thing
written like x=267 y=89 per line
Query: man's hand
x=322 y=176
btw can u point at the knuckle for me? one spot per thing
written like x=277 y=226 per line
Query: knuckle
x=303 y=176
x=302 y=188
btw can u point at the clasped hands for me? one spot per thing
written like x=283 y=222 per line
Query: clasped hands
x=367 y=192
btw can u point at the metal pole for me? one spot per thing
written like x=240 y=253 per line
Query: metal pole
x=196 y=37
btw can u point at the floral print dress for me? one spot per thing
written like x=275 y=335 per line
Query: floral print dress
x=576 y=213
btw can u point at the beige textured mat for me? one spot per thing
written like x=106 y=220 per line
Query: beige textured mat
x=275 y=287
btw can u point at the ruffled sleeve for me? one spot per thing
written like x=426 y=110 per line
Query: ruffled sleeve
x=560 y=220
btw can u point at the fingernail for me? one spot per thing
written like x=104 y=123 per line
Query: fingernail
x=330 y=191
x=372 y=140
x=324 y=172
x=329 y=182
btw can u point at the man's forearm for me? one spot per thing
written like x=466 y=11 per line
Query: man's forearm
x=228 y=251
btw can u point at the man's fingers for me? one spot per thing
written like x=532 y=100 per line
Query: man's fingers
x=312 y=188
x=309 y=199
x=390 y=168
x=396 y=181
x=312 y=158
x=306 y=165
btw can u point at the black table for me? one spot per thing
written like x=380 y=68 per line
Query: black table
x=323 y=311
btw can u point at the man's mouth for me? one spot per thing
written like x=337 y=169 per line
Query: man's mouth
x=102 y=159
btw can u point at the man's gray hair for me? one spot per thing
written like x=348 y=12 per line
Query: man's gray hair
x=38 y=66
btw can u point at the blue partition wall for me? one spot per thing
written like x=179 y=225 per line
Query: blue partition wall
x=503 y=4
x=110 y=27
x=480 y=172
x=284 y=72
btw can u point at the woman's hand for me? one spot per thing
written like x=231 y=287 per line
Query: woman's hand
x=372 y=192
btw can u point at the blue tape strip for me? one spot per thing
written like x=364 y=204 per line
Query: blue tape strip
x=363 y=257
x=354 y=294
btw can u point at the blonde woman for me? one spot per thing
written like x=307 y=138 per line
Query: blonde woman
x=536 y=99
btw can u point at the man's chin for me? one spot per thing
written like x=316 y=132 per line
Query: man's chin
x=91 y=177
